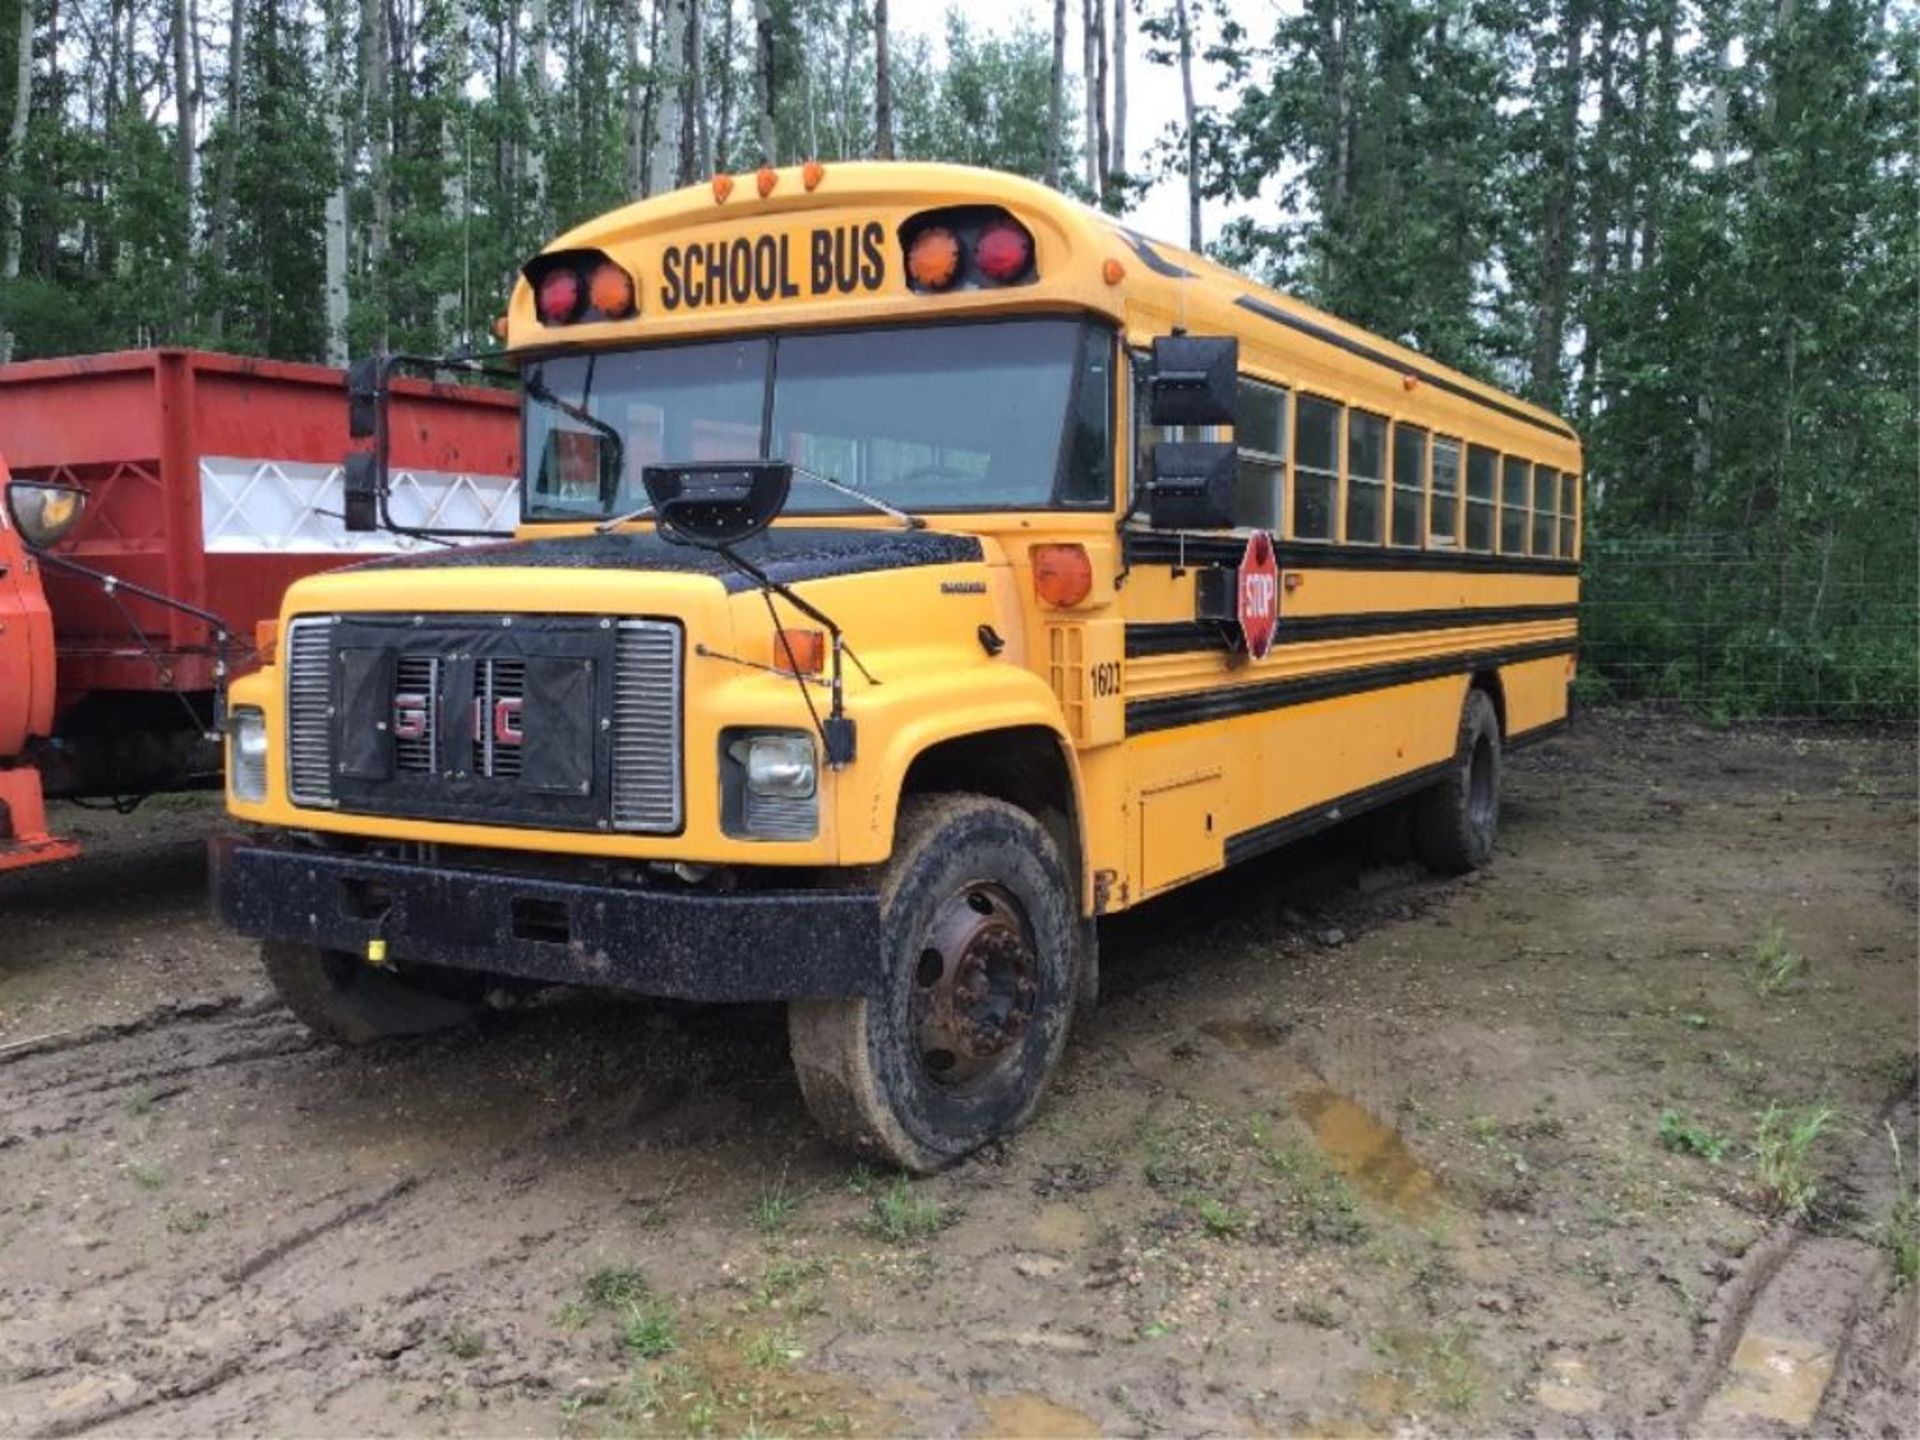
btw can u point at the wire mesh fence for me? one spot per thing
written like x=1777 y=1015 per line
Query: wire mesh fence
x=1710 y=624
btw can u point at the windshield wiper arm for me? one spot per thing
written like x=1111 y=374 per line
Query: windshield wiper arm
x=912 y=522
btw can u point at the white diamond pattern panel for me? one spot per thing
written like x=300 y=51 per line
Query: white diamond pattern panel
x=251 y=506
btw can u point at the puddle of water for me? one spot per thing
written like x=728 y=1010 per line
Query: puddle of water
x=1770 y=1378
x=1034 y=1417
x=1368 y=1153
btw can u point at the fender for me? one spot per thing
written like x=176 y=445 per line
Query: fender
x=900 y=722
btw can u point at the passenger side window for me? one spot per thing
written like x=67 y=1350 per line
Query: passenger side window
x=1546 y=484
x=1569 y=508
x=1442 y=513
x=1409 y=483
x=1260 y=432
x=1366 y=477
x=1513 y=507
x=1481 y=464
x=1316 y=474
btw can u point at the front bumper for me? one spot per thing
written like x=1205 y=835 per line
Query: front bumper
x=678 y=944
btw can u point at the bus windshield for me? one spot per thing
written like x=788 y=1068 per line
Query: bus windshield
x=993 y=416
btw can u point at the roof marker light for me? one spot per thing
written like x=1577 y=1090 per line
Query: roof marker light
x=766 y=177
x=722 y=188
x=812 y=173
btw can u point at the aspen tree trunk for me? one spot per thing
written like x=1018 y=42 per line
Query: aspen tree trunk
x=334 y=218
x=1599 y=202
x=222 y=221
x=695 y=146
x=763 y=77
x=634 y=122
x=377 y=67
x=1090 y=63
x=1117 y=165
x=186 y=118
x=664 y=163
x=542 y=136
x=1550 y=316
x=452 y=308
x=882 y=84
x=723 y=136
x=1057 y=93
x=848 y=44
x=1193 y=125
x=12 y=240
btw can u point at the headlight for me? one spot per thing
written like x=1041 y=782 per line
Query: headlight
x=779 y=767
x=247 y=755
x=769 y=785
x=43 y=514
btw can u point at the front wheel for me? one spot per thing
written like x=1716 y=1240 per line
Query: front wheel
x=1455 y=822
x=341 y=998
x=979 y=969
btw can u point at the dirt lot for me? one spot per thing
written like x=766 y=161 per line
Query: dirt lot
x=1346 y=1150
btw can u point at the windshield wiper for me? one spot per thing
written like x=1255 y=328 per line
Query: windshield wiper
x=911 y=522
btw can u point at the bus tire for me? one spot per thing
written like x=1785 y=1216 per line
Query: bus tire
x=343 y=999
x=1455 y=822
x=981 y=943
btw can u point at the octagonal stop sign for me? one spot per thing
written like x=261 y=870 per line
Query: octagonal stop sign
x=1259 y=594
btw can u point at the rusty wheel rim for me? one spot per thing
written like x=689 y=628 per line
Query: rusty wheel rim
x=974 y=987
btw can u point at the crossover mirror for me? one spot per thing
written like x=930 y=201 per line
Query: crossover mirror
x=1192 y=380
x=44 y=513
x=720 y=503
x=1192 y=486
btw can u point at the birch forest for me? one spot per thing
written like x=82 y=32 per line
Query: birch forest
x=1688 y=226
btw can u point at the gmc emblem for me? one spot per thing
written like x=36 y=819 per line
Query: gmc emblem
x=506 y=719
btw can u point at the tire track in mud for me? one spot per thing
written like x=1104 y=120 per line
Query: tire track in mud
x=344 y=1271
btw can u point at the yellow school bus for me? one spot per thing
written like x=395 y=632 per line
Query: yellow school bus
x=914 y=565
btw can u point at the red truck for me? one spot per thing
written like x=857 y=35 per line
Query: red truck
x=205 y=485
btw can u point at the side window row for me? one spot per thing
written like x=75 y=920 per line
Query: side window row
x=1404 y=486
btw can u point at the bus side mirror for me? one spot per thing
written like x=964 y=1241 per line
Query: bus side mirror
x=360 y=481
x=363 y=397
x=1192 y=486
x=1193 y=380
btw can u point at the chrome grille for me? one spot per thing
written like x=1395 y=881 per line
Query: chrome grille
x=416 y=702
x=646 y=726
x=499 y=687
x=309 y=652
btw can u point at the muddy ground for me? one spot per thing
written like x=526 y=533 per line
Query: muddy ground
x=1347 y=1149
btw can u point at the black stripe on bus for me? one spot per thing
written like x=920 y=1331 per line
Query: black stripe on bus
x=1174 y=637
x=1225 y=702
x=1289 y=828
x=1172 y=547
x=1302 y=823
x=1380 y=357
x=1152 y=258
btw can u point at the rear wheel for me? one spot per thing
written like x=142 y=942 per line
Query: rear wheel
x=1455 y=822
x=980 y=965
x=342 y=998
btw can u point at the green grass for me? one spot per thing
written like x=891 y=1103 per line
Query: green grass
x=615 y=1285
x=145 y=1175
x=1783 y=1157
x=1221 y=1220
x=787 y=1284
x=647 y=1328
x=900 y=1215
x=771 y=1349
x=1776 y=964
x=1900 y=1233
x=465 y=1342
x=1686 y=1138
x=774 y=1207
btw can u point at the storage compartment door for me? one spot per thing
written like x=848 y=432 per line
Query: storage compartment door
x=1182 y=831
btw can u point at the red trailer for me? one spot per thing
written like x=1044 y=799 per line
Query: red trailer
x=215 y=481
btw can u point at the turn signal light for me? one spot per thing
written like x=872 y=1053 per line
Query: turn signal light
x=1062 y=574
x=800 y=652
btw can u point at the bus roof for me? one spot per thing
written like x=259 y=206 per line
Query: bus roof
x=820 y=245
